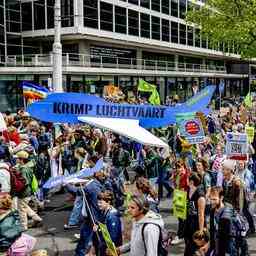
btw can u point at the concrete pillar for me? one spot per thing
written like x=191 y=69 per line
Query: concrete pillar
x=78 y=13
x=176 y=62
x=139 y=58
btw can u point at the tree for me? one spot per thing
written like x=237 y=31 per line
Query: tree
x=227 y=21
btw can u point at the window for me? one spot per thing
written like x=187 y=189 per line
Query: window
x=174 y=8
x=183 y=8
x=144 y=25
x=155 y=27
x=50 y=14
x=155 y=5
x=190 y=32
x=174 y=30
x=26 y=16
x=165 y=6
x=204 y=43
x=13 y=18
x=182 y=34
x=133 y=2
x=197 y=38
x=67 y=13
x=144 y=3
x=165 y=30
x=91 y=13
x=106 y=16
x=39 y=15
x=133 y=23
x=120 y=20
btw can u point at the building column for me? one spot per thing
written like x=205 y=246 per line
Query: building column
x=78 y=13
x=139 y=58
x=176 y=62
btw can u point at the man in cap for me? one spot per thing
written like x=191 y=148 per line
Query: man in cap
x=24 y=166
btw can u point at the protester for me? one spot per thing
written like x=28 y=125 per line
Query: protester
x=145 y=231
x=24 y=166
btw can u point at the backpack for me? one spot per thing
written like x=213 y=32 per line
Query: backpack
x=239 y=225
x=164 y=241
x=18 y=182
x=10 y=229
x=214 y=178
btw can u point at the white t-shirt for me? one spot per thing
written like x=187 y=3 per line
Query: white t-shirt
x=5 y=181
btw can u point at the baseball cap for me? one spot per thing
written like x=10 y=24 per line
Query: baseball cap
x=22 y=154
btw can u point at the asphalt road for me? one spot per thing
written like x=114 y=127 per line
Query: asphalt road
x=56 y=241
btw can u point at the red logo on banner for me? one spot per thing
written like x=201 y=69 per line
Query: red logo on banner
x=192 y=127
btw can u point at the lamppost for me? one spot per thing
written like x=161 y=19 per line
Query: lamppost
x=57 y=49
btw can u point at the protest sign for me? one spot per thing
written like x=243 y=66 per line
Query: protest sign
x=107 y=238
x=190 y=127
x=67 y=107
x=180 y=204
x=236 y=146
x=250 y=131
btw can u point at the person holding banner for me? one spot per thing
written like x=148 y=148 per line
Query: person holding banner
x=112 y=219
x=91 y=214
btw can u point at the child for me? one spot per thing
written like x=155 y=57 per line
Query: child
x=201 y=239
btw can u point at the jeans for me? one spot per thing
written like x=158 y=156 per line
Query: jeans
x=86 y=235
x=25 y=211
x=75 y=215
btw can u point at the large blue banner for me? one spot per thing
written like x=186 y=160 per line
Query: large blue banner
x=67 y=107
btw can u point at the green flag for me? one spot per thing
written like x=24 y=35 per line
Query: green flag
x=248 y=100
x=154 y=98
x=144 y=86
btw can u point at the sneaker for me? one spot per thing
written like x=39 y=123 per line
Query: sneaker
x=77 y=236
x=176 y=240
x=67 y=227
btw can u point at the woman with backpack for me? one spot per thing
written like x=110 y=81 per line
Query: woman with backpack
x=12 y=239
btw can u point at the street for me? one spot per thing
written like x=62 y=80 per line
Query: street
x=56 y=241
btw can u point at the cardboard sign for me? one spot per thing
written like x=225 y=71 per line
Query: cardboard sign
x=180 y=204
x=250 y=131
x=111 y=246
x=190 y=127
x=236 y=146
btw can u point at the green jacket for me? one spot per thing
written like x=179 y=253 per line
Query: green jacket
x=27 y=171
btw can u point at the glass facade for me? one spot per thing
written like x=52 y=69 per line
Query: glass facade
x=91 y=13
x=120 y=20
x=106 y=16
x=133 y=23
x=144 y=25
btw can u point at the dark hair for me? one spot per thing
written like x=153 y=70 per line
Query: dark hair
x=217 y=190
x=107 y=196
x=196 y=179
x=141 y=202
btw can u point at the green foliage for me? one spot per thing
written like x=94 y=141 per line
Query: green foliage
x=227 y=21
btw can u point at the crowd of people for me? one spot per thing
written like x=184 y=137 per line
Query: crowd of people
x=126 y=193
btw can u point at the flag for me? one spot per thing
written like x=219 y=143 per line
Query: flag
x=144 y=86
x=32 y=90
x=248 y=100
